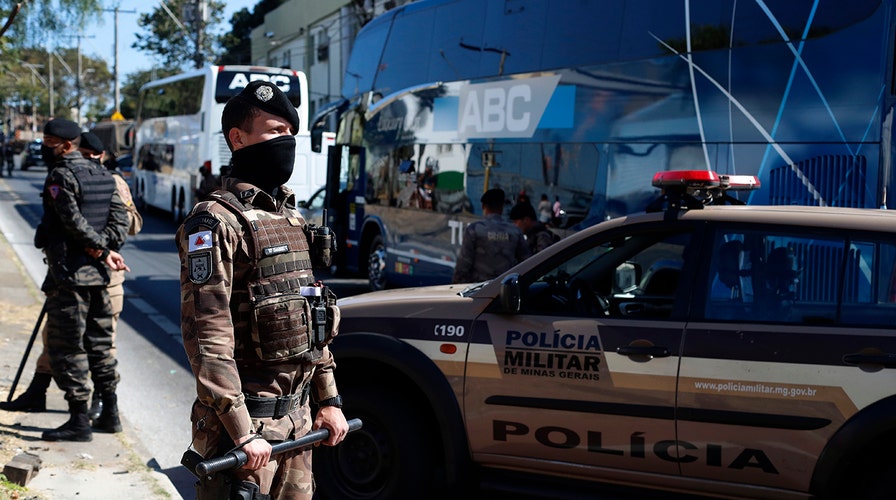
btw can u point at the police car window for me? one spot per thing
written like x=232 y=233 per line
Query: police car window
x=808 y=279
x=635 y=275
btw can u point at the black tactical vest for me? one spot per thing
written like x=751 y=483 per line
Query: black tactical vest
x=96 y=188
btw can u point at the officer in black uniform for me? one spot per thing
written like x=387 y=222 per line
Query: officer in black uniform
x=84 y=219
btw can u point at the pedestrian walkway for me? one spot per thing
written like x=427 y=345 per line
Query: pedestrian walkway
x=110 y=466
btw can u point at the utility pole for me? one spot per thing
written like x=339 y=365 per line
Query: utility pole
x=116 y=10
x=197 y=14
x=78 y=79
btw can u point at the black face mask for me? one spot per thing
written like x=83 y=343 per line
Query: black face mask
x=48 y=154
x=268 y=164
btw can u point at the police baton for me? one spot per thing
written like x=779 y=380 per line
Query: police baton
x=15 y=381
x=237 y=458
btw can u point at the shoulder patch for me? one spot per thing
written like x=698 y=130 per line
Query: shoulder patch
x=199 y=241
x=200 y=267
x=204 y=220
x=54 y=190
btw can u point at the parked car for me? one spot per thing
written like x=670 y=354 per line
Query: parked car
x=33 y=157
x=724 y=351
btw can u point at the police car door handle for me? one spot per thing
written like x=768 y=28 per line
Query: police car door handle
x=886 y=360
x=644 y=351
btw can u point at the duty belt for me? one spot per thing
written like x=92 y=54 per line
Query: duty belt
x=276 y=407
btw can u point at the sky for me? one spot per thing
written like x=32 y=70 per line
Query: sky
x=99 y=39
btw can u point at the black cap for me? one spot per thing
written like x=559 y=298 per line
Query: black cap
x=493 y=198
x=268 y=97
x=62 y=128
x=91 y=142
x=522 y=210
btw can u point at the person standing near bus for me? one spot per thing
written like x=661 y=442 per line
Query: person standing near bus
x=491 y=245
x=244 y=252
x=538 y=236
x=84 y=220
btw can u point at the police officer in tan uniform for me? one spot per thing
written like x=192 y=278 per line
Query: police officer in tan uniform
x=491 y=245
x=247 y=295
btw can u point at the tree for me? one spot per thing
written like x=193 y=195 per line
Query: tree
x=183 y=42
x=237 y=43
x=33 y=22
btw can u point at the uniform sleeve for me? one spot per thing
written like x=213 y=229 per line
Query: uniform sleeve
x=324 y=381
x=135 y=220
x=118 y=224
x=543 y=239
x=60 y=192
x=463 y=268
x=207 y=254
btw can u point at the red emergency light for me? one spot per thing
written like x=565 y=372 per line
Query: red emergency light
x=704 y=179
x=696 y=188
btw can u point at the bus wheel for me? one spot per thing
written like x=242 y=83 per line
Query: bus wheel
x=376 y=264
x=181 y=207
x=391 y=456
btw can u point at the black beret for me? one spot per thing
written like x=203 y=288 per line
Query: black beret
x=493 y=197
x=90 y=141
x=522 y=210
x=268 y=97
x=62 y=128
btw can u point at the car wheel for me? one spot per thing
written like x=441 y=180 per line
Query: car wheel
x=376 y=264
x=389 y=457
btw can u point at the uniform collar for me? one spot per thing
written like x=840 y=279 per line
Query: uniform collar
x=252 y=195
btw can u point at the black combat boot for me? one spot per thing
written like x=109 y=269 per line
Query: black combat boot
x=96 y=405
x=34 y=398
x=76 y=429
x=108 y=421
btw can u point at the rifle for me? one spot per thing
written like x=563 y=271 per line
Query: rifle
x=237 y=458
x=15 y=381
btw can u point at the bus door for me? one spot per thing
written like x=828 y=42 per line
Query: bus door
x=345 y=201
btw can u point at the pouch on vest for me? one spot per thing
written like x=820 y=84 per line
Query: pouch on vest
x=280 y=326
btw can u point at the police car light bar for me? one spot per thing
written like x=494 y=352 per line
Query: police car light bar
x=690 y=189
x=704 y=179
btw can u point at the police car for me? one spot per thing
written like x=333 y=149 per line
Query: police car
x=702 y=348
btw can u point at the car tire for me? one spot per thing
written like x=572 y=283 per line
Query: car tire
x=376 y=264
x=389 y=457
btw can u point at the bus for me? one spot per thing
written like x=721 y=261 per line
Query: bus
x=582 y=101
x=178 y=130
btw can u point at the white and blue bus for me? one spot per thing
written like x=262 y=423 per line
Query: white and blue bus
x=178 y=130
x=583 y=101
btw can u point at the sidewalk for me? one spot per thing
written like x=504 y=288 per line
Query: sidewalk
x=111 y=466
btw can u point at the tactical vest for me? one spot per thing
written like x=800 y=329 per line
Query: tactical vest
x=282 y=319
x=96 y=190
x=97 y=186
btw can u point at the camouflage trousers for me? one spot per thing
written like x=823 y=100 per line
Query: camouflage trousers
x=79 y=340
x=287 y=476
x=116 y=296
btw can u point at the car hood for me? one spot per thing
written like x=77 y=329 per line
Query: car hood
x=431 y=301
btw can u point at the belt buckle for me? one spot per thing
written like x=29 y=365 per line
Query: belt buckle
x=294 y=402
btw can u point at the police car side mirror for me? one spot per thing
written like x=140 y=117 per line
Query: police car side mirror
x=510 y=294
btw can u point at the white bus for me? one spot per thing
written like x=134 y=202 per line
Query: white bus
x=178 y=130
